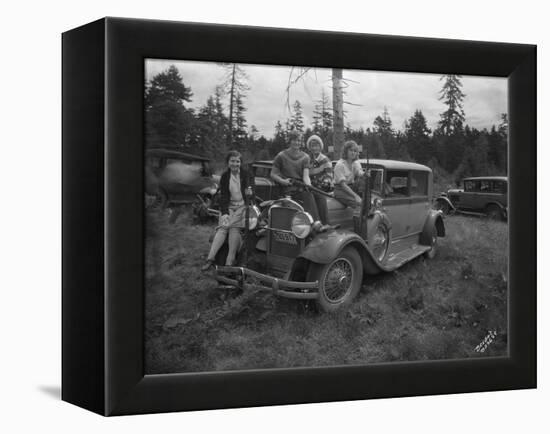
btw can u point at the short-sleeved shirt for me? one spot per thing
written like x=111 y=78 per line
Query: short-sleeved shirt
x=287 y=165
x=343 y=172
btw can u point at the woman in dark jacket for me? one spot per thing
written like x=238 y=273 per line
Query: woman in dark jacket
x=233 y=185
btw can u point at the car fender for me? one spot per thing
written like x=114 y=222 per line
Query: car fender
x=434 y=219
x=326 y=247
x=446 y=200
x=503 y=208
x=379 y=217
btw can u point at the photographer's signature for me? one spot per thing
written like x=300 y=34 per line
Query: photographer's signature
x=487 y=340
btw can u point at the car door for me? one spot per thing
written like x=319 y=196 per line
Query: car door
x=500 y=191
x=484 y=196
x=396 y=201
x=420 y=204
x=468 y=198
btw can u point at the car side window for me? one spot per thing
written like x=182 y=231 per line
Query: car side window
x=471 y=186
x=499 y=187
x=419 y=183
x=396 y=184
x=154 y=162
x=485 y=186
x=262 y=172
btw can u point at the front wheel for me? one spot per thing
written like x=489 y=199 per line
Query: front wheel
x=339 y=280
x=160 y=201
x=493 y=212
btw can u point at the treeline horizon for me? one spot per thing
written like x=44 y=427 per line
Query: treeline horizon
x=453 y=150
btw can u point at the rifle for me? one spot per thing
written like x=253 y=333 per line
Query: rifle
x=249 y=193
x=310 y=187
x=365 y=206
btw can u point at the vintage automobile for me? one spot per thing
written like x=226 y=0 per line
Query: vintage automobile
x=487 y=195
x=286 y=252
x=177 y=178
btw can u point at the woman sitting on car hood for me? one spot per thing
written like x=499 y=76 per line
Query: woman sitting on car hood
x=346 y=171
x=234 y=183
x=291 y=170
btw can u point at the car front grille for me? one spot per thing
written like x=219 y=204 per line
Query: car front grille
x=283 y=247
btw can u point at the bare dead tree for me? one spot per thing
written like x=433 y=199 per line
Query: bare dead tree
x=338 y=86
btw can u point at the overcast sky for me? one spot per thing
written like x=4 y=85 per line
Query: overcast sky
x=402 y=93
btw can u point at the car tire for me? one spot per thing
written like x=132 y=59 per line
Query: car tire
x=339 y=280
x=430 y=254
x=493 y=212
x=161 y=200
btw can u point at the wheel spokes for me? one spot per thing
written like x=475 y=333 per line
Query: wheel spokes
x=338 y=280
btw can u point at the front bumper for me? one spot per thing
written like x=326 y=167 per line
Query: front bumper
x=237 y=276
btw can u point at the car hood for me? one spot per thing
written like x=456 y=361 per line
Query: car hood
x=455 y=190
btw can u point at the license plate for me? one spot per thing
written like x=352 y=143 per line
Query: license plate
x=285 y=237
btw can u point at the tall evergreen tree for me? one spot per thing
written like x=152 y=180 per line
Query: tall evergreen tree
x=383 y=124
x=167 y=86
x=452 y=119
x=297 y=119
x=168 y=123
x=279 y=140
x=212 y=127
x=239 y=123
x=235 y=86
x=322 y=116
x=386 y=135
x=418 y=140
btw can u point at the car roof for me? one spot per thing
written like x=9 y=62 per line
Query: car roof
x=263 y=163
x=388 y=164
x=486 y=178
x=394 y=164
x=170 y=153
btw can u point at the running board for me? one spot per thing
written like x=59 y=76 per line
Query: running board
x=396 y=260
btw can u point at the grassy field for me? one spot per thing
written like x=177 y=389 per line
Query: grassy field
x=430 y=309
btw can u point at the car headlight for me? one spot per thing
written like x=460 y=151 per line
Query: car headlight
x=253 y=217
x=301 y=224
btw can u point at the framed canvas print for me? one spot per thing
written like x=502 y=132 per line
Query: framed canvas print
x=258 y=216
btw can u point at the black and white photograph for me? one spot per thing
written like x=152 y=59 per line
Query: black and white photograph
x=232 y=217
x=308 y=216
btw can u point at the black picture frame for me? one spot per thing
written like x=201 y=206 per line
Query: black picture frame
x=103 y=223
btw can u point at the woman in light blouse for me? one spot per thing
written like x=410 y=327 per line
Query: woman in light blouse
x=346 y=172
